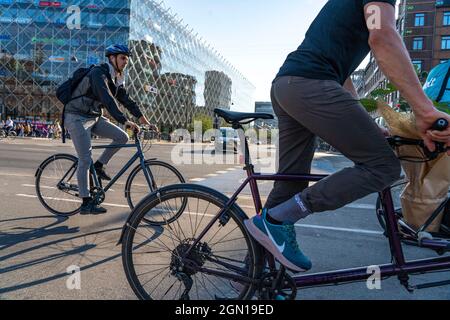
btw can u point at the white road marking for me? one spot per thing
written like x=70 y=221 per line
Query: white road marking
x=221 y=172
x=71 y=200
x=310 y=226
x=33 y=186
x=349 y=206
x=197 y=179
x=212 y=175
x=361 y=206
x=17 y=175
x=35 y=149
x=231 y=169
x=210 y=215
x=46 y=187
x=339 y=229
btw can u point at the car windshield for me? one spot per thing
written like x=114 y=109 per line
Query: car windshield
x=228 y=133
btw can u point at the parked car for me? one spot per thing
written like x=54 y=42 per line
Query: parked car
x=228 y=140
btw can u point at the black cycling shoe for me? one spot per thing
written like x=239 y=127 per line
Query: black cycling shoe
x=101 y=173
x=91 y=208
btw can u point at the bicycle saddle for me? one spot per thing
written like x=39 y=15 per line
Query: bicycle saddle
x=241 y=117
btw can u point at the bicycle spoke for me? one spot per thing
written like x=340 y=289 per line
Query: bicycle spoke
x=159 y=283
x=156 y=270
x=222 y=250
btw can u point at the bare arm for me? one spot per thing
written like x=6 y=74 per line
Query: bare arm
x=393 y=59
x=348 y=85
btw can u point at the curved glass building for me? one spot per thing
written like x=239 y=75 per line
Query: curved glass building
x=173 y=74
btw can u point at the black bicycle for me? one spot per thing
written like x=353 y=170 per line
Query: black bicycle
x=4 y=134
x=57 y=188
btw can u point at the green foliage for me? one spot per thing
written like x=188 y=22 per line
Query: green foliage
x=207 y=122
x=369 y=104
x=444 y=107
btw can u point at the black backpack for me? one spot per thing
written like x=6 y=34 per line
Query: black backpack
x=65 y=90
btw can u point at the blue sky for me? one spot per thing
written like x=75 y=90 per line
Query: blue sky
x=254 y=35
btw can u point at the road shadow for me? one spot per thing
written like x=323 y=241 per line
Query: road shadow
x=15 y=231
x=87 y=250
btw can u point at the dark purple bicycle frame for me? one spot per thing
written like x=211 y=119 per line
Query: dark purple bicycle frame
x=399 y=267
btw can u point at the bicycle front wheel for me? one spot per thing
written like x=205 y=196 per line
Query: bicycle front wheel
x=162 y=173
x=152 y=255
x=12 y=135
x=57 y=186
x=396 y=191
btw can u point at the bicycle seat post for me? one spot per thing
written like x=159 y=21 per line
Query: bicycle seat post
x=243 y=138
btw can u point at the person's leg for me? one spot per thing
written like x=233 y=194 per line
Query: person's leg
x=330 y=112
x=104 y=128
x=327 y=110
x=295 y=153
x=80 y=131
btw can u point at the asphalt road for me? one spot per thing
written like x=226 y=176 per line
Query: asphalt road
x=36 y=248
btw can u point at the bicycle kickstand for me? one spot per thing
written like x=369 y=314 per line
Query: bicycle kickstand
x=278 y=282
x=404 y=281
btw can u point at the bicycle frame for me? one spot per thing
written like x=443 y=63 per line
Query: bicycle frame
x=399 y=267
x=138 y=155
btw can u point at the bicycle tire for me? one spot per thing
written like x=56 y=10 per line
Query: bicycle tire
x=396 y=191
x=134 y=199
x=44 y=199
x=187 y=191
x=398 y=210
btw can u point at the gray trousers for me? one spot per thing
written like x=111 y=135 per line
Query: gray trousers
x=307 y=108
x=80 y=129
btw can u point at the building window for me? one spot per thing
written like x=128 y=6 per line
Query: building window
x=446 y=21
x=445 y=44
x=418 y=43
x=419 y=20
x=417 y=64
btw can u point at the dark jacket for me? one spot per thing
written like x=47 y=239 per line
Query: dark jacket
x=100 y=92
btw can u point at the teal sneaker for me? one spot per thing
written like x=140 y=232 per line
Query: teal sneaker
x=279 y=240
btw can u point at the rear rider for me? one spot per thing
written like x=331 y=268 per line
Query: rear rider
x=103 y=87
x=313 y=96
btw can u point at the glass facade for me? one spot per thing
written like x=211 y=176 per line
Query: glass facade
x=173 y=74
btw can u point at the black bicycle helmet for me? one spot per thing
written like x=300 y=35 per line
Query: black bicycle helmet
x=117 y=49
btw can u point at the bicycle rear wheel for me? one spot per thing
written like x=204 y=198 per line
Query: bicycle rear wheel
x=151 y=254
x=57 y=186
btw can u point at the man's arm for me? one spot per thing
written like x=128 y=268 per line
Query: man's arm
x=127 y=102
x=132 y=106
x=393 y=59
x=99 y=85
x=348 y=85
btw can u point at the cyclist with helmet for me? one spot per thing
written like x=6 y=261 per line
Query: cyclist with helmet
x=103 y=87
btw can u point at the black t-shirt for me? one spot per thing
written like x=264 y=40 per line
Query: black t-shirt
x=335 y=44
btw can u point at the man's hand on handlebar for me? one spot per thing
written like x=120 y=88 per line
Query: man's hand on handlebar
x=133 y=126
x=425 y=122
x=144 y=121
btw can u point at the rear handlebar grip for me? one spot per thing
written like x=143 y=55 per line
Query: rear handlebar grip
x=440 y=125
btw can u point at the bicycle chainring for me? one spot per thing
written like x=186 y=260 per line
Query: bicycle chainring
x=98 y=195
x=287 y=290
